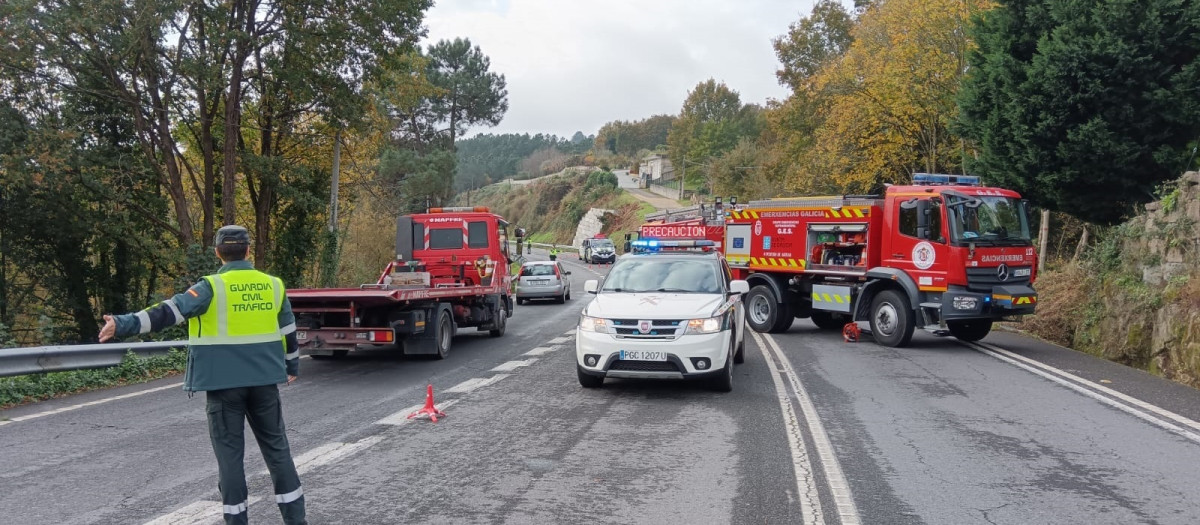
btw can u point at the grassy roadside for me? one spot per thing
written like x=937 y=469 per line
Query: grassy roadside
x=133 y=369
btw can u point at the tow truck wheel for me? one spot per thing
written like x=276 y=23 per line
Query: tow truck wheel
x=828 y=320
x=762 y=309
x=891 y=319
x=970 y=331
x=445 y=333
x=500 y=323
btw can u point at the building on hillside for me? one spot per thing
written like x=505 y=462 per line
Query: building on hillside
x=659 y=168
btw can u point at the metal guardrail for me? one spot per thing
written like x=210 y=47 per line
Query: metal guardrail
x=42 y=359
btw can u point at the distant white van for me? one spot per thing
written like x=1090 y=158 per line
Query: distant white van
x=597 y=250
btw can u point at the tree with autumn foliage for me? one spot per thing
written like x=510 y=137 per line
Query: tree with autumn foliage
x=882 y=108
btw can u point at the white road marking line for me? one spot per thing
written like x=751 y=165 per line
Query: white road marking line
x=513 y=365
x=401 y=417
x=471 y=385
x=330 y=452
x=198 y=513
x=559 y=340
x=540 y=350
x=842 y=496
x=88 y=404
x=1043 y=370
x=806 y=492
x=570 y=332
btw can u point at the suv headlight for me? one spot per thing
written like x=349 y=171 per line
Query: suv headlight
x=711 y=325
x=593 y=324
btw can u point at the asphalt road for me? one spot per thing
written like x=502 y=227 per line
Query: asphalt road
x=816 y=431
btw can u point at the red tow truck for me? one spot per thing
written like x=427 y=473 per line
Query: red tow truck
x=944 y=254
x=451 y=271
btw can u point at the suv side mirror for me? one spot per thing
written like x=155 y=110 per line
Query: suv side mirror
x=591 y=285
x=739 y=286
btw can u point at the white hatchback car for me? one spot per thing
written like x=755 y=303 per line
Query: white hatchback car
x=665 y=315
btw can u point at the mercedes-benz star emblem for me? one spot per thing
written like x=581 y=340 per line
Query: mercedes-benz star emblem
x=1002 y=272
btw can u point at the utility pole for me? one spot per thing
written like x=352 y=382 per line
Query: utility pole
x=682 y=177
x=1043 y=234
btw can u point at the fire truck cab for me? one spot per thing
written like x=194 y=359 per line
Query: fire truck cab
x=944 y=254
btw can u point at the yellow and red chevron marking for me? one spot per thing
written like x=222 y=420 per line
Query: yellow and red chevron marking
x=854 y=212
x=775 y=262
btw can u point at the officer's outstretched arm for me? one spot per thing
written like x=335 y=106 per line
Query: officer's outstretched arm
x=168 y=313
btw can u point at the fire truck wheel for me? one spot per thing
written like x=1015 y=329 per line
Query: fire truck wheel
x=970 y=331
x=762 y=309
x=445 y=333
x=785 y=318
x=828 y=320
x=501 y=322
x=891 y=319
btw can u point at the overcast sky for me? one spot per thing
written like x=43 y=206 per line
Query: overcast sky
x=573 y=65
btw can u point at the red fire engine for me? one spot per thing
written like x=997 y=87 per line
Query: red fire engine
x=450 y=272
x=944 y=254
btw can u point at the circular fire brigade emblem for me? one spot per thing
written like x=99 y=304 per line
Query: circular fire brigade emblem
x=923 y=255
x=758 y=227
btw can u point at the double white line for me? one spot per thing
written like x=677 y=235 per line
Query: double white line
x=1159 y=417
x=811 y=510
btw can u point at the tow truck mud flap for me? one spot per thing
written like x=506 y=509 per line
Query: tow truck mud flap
x=410 y=323
x=427 y=342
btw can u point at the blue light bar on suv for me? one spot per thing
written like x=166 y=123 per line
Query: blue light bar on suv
x=654 y=245
x=935 y=179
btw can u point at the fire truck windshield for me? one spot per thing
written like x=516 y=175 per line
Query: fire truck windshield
x=999 y=221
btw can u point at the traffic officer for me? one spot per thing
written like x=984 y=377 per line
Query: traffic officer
x=241 y=345
x=554 y=253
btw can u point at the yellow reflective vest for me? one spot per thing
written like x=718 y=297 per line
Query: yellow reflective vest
x=236 y=342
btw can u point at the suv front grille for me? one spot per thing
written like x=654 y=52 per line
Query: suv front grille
x=645 y=366
x=983 y=279
x=660 y=329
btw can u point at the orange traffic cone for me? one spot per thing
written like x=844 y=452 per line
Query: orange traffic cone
x=428 y=409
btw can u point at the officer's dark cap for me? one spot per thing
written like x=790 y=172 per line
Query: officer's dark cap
x=232 y=234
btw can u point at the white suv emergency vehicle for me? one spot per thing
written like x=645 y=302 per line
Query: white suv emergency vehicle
x=668 y=314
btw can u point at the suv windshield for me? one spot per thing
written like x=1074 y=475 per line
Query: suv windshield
x=663 y=275
x=987 y=220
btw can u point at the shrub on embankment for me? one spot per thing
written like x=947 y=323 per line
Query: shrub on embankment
x=1134 y=296
x=133 y=369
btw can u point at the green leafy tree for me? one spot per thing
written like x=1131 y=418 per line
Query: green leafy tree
x=710 y=123
x=470 y=93
x=812 y=42
x=1084 y=106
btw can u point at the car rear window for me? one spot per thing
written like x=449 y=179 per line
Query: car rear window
x=537 y=269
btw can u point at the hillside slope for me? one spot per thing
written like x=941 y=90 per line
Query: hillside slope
x=1135 y=296
x=550 y=208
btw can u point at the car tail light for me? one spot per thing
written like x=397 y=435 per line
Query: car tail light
x=381 y=336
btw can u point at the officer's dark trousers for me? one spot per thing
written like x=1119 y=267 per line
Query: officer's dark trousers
x=227 y=410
